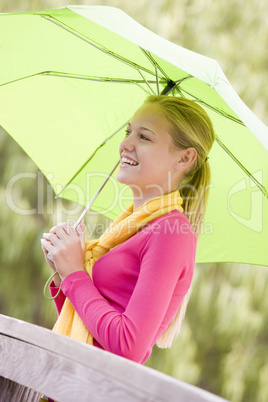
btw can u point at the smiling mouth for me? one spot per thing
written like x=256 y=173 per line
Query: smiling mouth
x=128 y=162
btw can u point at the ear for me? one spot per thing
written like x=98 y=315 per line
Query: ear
x=186 y=158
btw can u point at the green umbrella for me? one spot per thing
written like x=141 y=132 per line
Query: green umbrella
x=70 y=80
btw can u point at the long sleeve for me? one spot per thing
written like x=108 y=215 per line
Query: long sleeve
x=165 y=273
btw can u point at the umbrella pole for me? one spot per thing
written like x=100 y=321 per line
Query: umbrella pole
x=94 y=197
x=82 y=216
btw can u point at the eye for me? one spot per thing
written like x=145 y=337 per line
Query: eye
x=143 y=137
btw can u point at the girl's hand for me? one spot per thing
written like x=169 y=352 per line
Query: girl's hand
x=66 y=247
x=56 y=279
x=50 y=263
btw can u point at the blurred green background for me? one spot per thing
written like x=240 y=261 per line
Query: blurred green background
x=224 y=339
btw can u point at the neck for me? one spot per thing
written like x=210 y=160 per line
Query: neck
x=140 y=198
x=138 y=202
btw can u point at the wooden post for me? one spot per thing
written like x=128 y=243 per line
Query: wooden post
x=11 y=391
x=34 y=360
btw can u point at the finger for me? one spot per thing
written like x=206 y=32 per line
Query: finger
x=63 y=225
x=47 y=246
x=68 y=229
x=53 y=229
x=54 y=239
x=59 y=231
x=71 y=232
x=49 y=256
x=44 y=249
x=42 y=246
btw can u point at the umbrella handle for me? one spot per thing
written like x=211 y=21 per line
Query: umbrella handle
x=94 y=197
x=77 y=224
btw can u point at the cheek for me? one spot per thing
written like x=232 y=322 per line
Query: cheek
x=162 y=161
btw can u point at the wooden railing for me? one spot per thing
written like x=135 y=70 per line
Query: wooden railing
x=34 y=360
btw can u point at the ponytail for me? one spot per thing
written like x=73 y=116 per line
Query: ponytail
x=194 y=191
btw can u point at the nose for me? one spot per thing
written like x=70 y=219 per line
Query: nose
x=127 y=144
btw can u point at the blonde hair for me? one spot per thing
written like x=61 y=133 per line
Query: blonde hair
x=190 y=127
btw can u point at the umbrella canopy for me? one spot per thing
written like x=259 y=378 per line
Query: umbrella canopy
x=70 y=80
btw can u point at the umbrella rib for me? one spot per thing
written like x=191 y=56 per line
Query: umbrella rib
x=258 y=184
x=178 y=89
x=184 y=79
x=140 y=86
x=19 y=79
x=92 y=155
x=105 y=79
x=157 y=81
x=81 y=77
x=97 y=79
x=154 y=63
x=155 y=67
x=146 y=82
x=98 y=47
x=220 y=112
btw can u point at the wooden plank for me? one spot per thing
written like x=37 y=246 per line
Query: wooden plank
x=68 y=370
x=61 y=378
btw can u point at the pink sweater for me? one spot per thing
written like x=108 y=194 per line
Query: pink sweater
x=137 y=287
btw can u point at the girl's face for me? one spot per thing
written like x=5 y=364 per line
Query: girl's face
x=149 y=159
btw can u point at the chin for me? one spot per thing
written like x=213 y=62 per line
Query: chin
x=125 y=180
x=121 y=178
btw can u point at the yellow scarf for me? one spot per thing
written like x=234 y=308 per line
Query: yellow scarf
x=127 y=224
